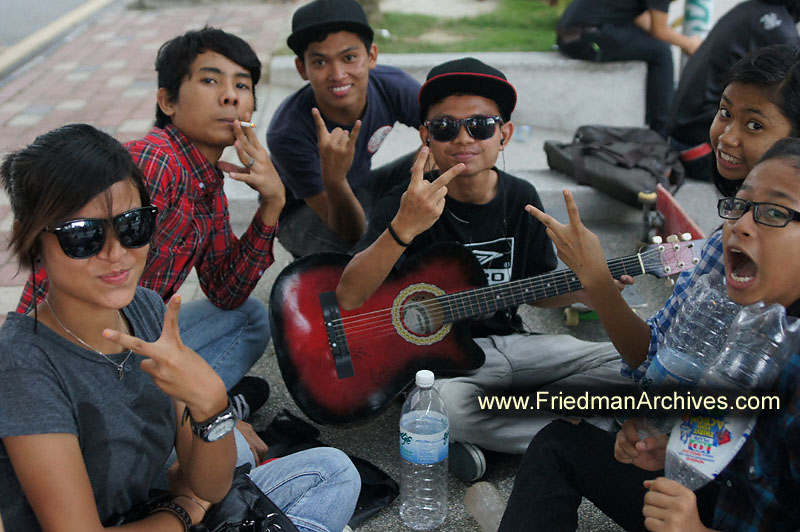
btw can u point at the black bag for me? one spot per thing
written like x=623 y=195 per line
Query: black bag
x=245 y=509
x=618 y=161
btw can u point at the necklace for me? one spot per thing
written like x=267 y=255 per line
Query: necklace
x=120 y=367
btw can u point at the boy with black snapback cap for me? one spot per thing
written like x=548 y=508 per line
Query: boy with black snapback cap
x=475 y=203
x=322 y=137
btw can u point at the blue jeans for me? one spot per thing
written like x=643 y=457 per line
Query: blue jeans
x=231 y=341
x=317 y=489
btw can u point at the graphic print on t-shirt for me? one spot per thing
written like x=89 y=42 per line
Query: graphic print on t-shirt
x=377 y=139
x=496 y=258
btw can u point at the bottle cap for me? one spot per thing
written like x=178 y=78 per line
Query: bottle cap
x=424 y=378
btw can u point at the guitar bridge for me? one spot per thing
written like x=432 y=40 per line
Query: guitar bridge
x=337 y=341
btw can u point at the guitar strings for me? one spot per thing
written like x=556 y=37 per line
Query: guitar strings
x=367 y=326
x=515 y=292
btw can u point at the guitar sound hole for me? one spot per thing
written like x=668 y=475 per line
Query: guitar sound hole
x=417 y=319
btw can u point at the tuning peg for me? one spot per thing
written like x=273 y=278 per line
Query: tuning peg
x=672 y=238
x=669 y=281
x=686 y=237
x=656 y=239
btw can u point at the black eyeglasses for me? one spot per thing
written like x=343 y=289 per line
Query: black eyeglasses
x=770 y=214
x=85 y=237
x=446 y=128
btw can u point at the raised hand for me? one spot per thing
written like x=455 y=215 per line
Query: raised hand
x=647 y=454
x=177 y=370
x=258 y=172
x=336 y=149
x=423 y=202
x=670 y=507
x=578 y=247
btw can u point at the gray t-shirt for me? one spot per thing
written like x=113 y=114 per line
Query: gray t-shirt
x=125 y=428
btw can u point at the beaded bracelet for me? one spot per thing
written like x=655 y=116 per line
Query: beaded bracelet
x=191 y=499
x=175 y=509
x=397 y=238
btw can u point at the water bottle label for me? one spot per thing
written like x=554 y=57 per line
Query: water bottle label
x=709 y=441
x=661 y=380
x=421 y=441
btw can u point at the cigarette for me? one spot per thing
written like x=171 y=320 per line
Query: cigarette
x=247 y=124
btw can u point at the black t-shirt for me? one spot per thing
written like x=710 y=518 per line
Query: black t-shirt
x=748 y=26
x=597 y=12
x=509 y=243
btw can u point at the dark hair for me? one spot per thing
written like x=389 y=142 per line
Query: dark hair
x=776 y=69
x=56 y=175
x=787 y=149
x=322 y=35
x=176 y=56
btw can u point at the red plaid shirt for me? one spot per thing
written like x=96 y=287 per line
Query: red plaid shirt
x=193 y=227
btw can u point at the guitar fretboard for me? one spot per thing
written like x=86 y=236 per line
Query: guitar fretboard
x=479 y=301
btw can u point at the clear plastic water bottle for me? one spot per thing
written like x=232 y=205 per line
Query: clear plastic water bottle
x=424 y=441
x=760 y=342
x=486 y=505
x=693 y=341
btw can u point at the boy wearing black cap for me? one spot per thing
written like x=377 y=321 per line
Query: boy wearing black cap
x=466 y=109
x=322 y=137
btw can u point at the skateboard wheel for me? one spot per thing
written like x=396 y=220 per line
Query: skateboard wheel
x=571 y=316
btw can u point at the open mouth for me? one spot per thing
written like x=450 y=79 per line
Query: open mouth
x=740 y=267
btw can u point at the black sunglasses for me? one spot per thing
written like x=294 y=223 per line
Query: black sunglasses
x=446 y=128
x=770 y=214
x=85 y=237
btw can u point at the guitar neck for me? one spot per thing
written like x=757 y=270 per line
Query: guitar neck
x=479 y=301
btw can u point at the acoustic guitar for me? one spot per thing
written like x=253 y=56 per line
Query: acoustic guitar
x=346 y=366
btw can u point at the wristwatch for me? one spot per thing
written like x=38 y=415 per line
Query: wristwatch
x=215 y=428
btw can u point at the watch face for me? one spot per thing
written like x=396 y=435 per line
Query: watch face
x=220 y=429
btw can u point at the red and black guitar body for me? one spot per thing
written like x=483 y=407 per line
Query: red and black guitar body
x=345 y=368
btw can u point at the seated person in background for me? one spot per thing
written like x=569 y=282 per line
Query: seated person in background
x=627 y=30
x=206 y=85
x=95 y=381
x=746 y=27
x=465 y=107
x=758 y=490
x=322 y=137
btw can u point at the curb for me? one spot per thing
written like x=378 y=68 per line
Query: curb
x=16 y=54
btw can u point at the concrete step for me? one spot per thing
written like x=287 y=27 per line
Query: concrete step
x=553 y=91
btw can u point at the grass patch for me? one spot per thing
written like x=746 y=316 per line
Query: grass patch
x=516 y=25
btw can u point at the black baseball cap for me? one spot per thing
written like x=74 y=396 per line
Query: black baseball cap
x=323 y=16
x=467 y=76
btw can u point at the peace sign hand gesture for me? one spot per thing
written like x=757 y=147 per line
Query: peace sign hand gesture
x=177 y=370
x=336 y=149
x=423 y=202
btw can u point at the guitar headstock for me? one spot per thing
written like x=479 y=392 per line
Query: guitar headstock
x=672 y=257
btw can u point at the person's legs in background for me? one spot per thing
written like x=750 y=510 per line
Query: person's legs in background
x=231 y=341
x=630 y=43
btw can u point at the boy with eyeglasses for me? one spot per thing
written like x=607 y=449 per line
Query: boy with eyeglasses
x=465 y=109
x=206 y=86
x=322 y=138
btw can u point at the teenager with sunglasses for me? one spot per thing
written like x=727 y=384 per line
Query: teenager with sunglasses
x=623 y=476
x=322 y=138
x=95 y=383
x=206 y=85
x=465 y=107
